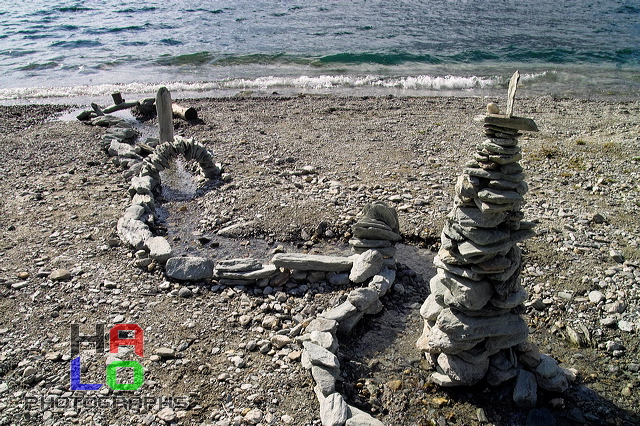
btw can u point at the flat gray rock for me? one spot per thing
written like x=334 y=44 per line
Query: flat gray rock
x=517 y=123
x=189 y=268
x=340 y=312
x=312 y=262
x=474 y=217
x=320 y=356
x=356 y=242
x=497 y=196
x=238 y=265
x=265 y=271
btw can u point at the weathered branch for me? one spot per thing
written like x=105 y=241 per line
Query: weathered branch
x=184 y=112
x=122 y=105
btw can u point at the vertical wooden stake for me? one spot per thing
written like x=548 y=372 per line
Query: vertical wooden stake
x=117 y=98
x=165 y=115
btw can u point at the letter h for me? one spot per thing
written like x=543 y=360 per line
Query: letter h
x=76 y=338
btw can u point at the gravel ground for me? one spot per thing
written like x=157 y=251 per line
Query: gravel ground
x=299 y=171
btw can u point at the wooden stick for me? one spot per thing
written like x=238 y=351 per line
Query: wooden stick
x=117 y=98
x=97 y=109
x=185 y=113
x=121 y=105
x=165 y=115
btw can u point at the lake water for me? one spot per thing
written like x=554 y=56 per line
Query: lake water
x=577 y=48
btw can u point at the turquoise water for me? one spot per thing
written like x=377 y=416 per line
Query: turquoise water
x=584 y=48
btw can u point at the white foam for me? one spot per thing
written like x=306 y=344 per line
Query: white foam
x=446 y=83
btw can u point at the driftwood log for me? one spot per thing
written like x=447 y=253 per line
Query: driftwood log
x=165 y=115
x=97 y=109
x=117 y=98
x=184 y=113
x=122 y=105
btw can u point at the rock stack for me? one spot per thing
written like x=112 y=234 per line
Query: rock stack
x=378 y=229
x=472 y=326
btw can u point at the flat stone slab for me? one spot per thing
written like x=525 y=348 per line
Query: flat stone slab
x=497 y=196
x=517 y=123
x=312 y=262
x=238 y=265
x=265 y=271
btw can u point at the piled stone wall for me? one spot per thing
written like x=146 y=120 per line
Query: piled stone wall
x=372 y=267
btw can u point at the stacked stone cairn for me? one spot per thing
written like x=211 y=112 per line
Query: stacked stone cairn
x=472 y=326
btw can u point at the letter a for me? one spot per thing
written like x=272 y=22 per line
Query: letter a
x=138 y=340
x=75 y=378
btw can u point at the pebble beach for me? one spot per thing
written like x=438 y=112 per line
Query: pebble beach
x=297 y=172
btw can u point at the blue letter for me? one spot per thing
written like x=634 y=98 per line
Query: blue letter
x=75 y=378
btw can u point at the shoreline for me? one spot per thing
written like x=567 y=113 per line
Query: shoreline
x=62 y=197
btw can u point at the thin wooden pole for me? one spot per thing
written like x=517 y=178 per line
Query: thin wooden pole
x=165 y=115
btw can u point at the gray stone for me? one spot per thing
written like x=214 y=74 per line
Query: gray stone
x=325 y=379
x=541 y=417
x=460 y=371
x=356 y=242
x=320 y=356
x=525 y=392
x=469 y=248
x=362 y=298
x=324 y=339
x=133 y=232
x=596 y=296
x=167 y=415
x=483 y=236
x=366 y=266
x=144 y=200
x=456 y=331
x=473 y=217
x=189 y=268
x=334 y=411
x=266 y=271
x=517 y=123
x=141 y=185
x=238 y=265
x=348 y=323
x=469 y=294
x=61 y=274
x=185 y=292
x=375 y=233
x=462 y=271
x=380 y=211
x=340 y=312
x=311 y=262
x=363 y=419
x=254 y=416
x=383 y=281
x=119 y=149
x=336 y=278
x=165 y=353
x=159 y=249
x=322 y=324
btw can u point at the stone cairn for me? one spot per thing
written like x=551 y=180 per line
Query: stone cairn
x=472 y=323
